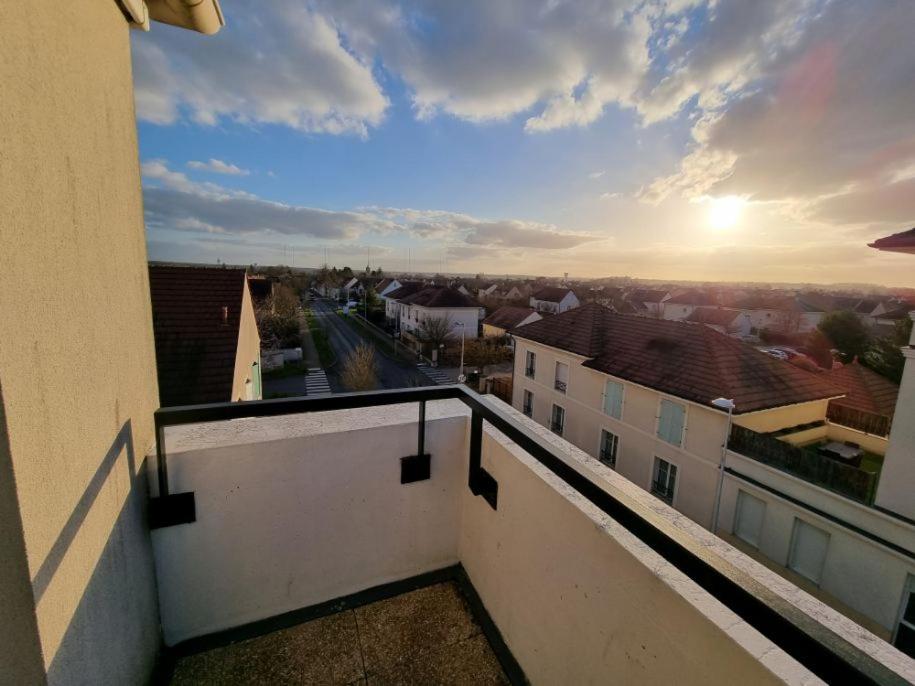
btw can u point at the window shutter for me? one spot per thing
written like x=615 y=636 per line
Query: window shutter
x=613 y=399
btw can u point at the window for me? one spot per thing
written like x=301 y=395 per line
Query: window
x=664 y=480
x=808 y=550
x=557 y=420
x=613 y=399
x=608 y=444
x=530 y=364
x=562 y=377
x=670 y=423
x=748 y=519
x=528 y=406
x=905 y=631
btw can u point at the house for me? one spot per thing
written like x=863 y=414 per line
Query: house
x=554 y=299
x=391 y=300
x=648 y=302
x=678 y=307
x=385 y=286
x=649 y=397
x=487 y=290
x=118 y=517
x=353 y=289
x=869 y=402
x=462 y=313
x=207 y=344
x=724 y=320
x=786 y=314
x=508 y=317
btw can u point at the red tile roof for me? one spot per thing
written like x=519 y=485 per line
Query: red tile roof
x=196 y=316
x=406 y=288
x=439 y=296
x=867 y=390
x=692 y=362
x=645 y=295
x=508 y=317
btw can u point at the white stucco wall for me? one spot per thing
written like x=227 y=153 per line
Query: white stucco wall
x=292 y=511
x=896 y=490
x=298 y=510
x=469 y=317
x=862 y=574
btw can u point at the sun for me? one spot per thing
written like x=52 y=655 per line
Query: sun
x=725 y=212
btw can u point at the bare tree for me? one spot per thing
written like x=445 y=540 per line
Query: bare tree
x=435 y=331
x=484 y=352
x=360 y=370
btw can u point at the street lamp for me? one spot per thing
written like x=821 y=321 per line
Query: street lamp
x=722 y=404
x=461 y=377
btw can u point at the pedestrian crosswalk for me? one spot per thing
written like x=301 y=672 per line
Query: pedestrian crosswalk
x=436 y=374
x=316 y=382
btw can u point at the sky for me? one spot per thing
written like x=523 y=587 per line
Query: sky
x=731 y=140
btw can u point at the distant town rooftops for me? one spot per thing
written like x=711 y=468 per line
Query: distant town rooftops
x=690 y=298
x=898 y=242
x=196 y=317
x=438 y=296
x=508 y=317
x=406 y=288
x=696 y=363
x=645 y=295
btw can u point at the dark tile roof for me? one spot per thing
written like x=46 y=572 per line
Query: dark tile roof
x=508 y=317
x=196 y=316
x=867 y=391
x=691 y=298
x=714 y=316
x=645 y=295
x=406 y=288
x=904 y=240
x=439 y=296
x=551 y=294
x=692 y=362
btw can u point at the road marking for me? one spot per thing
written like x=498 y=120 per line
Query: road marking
x=316 y=382
x=436 y=374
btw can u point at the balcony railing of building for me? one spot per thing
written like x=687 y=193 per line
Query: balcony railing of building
x=560 y=386
x=847 y=480
x=272 y=506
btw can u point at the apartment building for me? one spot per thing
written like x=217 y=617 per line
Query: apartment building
x=649 y=398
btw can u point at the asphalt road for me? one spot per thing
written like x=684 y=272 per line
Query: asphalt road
x=344 y=338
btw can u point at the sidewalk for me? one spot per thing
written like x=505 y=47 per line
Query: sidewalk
x=309 y=351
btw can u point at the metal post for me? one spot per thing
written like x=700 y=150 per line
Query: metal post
x=462 y=352
x=421 y=429
x=161 y=467
x=724 y=453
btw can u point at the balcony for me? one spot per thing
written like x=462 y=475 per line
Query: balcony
x=559 y=385
x=435 y=536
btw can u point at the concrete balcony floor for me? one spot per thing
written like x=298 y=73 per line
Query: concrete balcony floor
x=425 y=636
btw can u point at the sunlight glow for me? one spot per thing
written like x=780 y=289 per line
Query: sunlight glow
x=725 y=212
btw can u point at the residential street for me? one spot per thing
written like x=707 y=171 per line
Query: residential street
x=343 y=339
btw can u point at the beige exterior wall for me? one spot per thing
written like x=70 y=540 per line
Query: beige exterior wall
x=897 y=480
x=77 y=363
x=696 y=459
x=248 y=351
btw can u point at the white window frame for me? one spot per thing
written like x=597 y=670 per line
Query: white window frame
x=600 y=447
x=562 y=427
x=792 y=549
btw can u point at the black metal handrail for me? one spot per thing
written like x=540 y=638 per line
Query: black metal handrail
x=817 y=647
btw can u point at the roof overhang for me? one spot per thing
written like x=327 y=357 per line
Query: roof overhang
x=203 y=16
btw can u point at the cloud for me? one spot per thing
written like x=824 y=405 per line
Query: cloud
x=596 y=174
x=173 y=201
x=218 y=167
x=824 y=123
x=274 y=63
